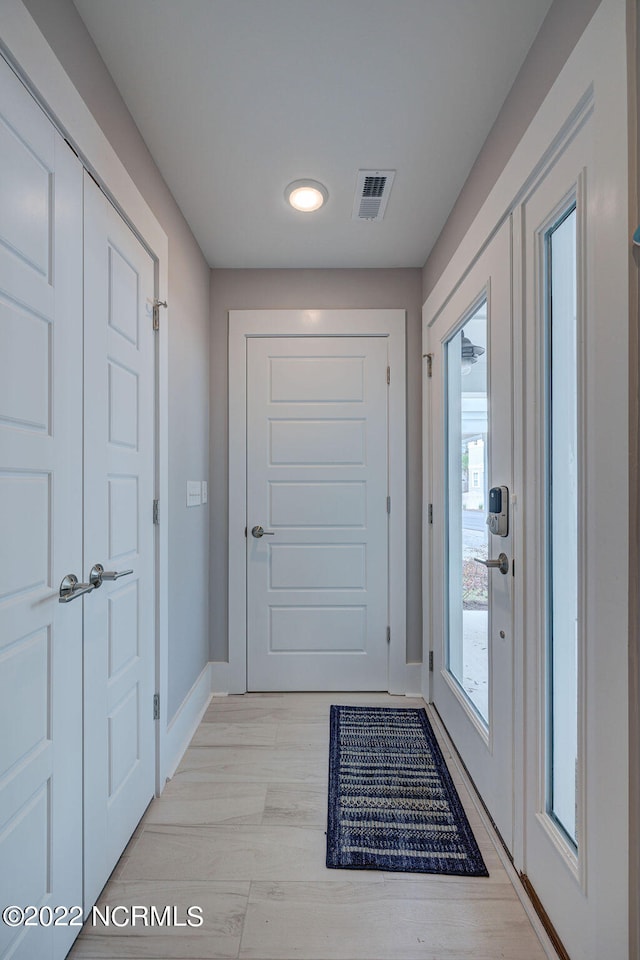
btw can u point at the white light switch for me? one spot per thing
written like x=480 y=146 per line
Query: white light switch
x=194 y=493
x=205 y=494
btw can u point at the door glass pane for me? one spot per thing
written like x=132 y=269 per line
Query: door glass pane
x=467 y=657
x=562 y=521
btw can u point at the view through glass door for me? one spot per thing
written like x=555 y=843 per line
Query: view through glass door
x=466 y=492
x=471 y=424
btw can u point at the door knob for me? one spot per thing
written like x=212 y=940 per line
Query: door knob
x=258 y=532
x=70 y=588
x=501 y=564
x=98 y=574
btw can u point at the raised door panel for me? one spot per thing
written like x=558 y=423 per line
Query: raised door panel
x=317 y=504
x=329 y=442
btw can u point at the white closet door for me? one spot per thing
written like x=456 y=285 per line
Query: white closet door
x=40 y=521
x=118 y=533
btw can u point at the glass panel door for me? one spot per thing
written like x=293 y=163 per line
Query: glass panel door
x=471 y=436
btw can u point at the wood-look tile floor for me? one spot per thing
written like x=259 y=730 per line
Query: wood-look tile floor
x=240 y=832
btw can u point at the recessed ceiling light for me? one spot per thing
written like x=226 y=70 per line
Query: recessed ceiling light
x=306 y=195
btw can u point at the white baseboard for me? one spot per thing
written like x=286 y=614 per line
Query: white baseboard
x=225 y=679
x=218 y=679
x=185 y=722
x=413 y=685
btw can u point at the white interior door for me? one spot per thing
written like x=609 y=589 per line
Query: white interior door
x=575 y=599
x=119 y=663
x=471 y=430
x=317 y=469
x=40 y=521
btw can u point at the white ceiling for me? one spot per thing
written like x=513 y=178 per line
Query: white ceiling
x=236 y=98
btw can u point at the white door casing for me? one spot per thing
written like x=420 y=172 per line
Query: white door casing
x=487 y=753
x=244 y=325
x=119 y=663
x=317 y=579
x=40 y=522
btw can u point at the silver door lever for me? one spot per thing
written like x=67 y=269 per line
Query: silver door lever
x=98 y=574
x=70 y=588
x=258 y=532
x=501 y=564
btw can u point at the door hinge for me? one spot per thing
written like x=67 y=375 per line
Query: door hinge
x=429 y=359
x=156 y=512
x=156 y=706
x=388 y=504
x=156 y=312
x=388 y=634
x=430 y=661
x=245 y=531
x=388 y=374
x=430 y=514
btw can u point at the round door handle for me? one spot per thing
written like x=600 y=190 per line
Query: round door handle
x=258 y=532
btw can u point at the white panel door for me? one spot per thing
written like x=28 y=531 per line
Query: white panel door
x=119 y=665
x=317 y=579
x=40 y=521
x=472 y=606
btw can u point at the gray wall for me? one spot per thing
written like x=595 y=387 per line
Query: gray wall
x=255 y=289
x=65 y=32
x=562 y=28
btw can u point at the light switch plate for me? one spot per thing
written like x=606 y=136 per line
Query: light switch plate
x=194 y=493
x=205 y=491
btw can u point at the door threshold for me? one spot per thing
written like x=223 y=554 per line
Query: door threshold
x=544 y=917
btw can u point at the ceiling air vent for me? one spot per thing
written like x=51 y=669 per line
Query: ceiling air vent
x=372 y=193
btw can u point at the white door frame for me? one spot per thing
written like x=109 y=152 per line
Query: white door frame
x=232 y=676
x=34 y=61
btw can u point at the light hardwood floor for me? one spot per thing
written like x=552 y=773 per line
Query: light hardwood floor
x=239 y=831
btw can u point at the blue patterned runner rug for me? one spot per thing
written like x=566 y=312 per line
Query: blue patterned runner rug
x=392 y=802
